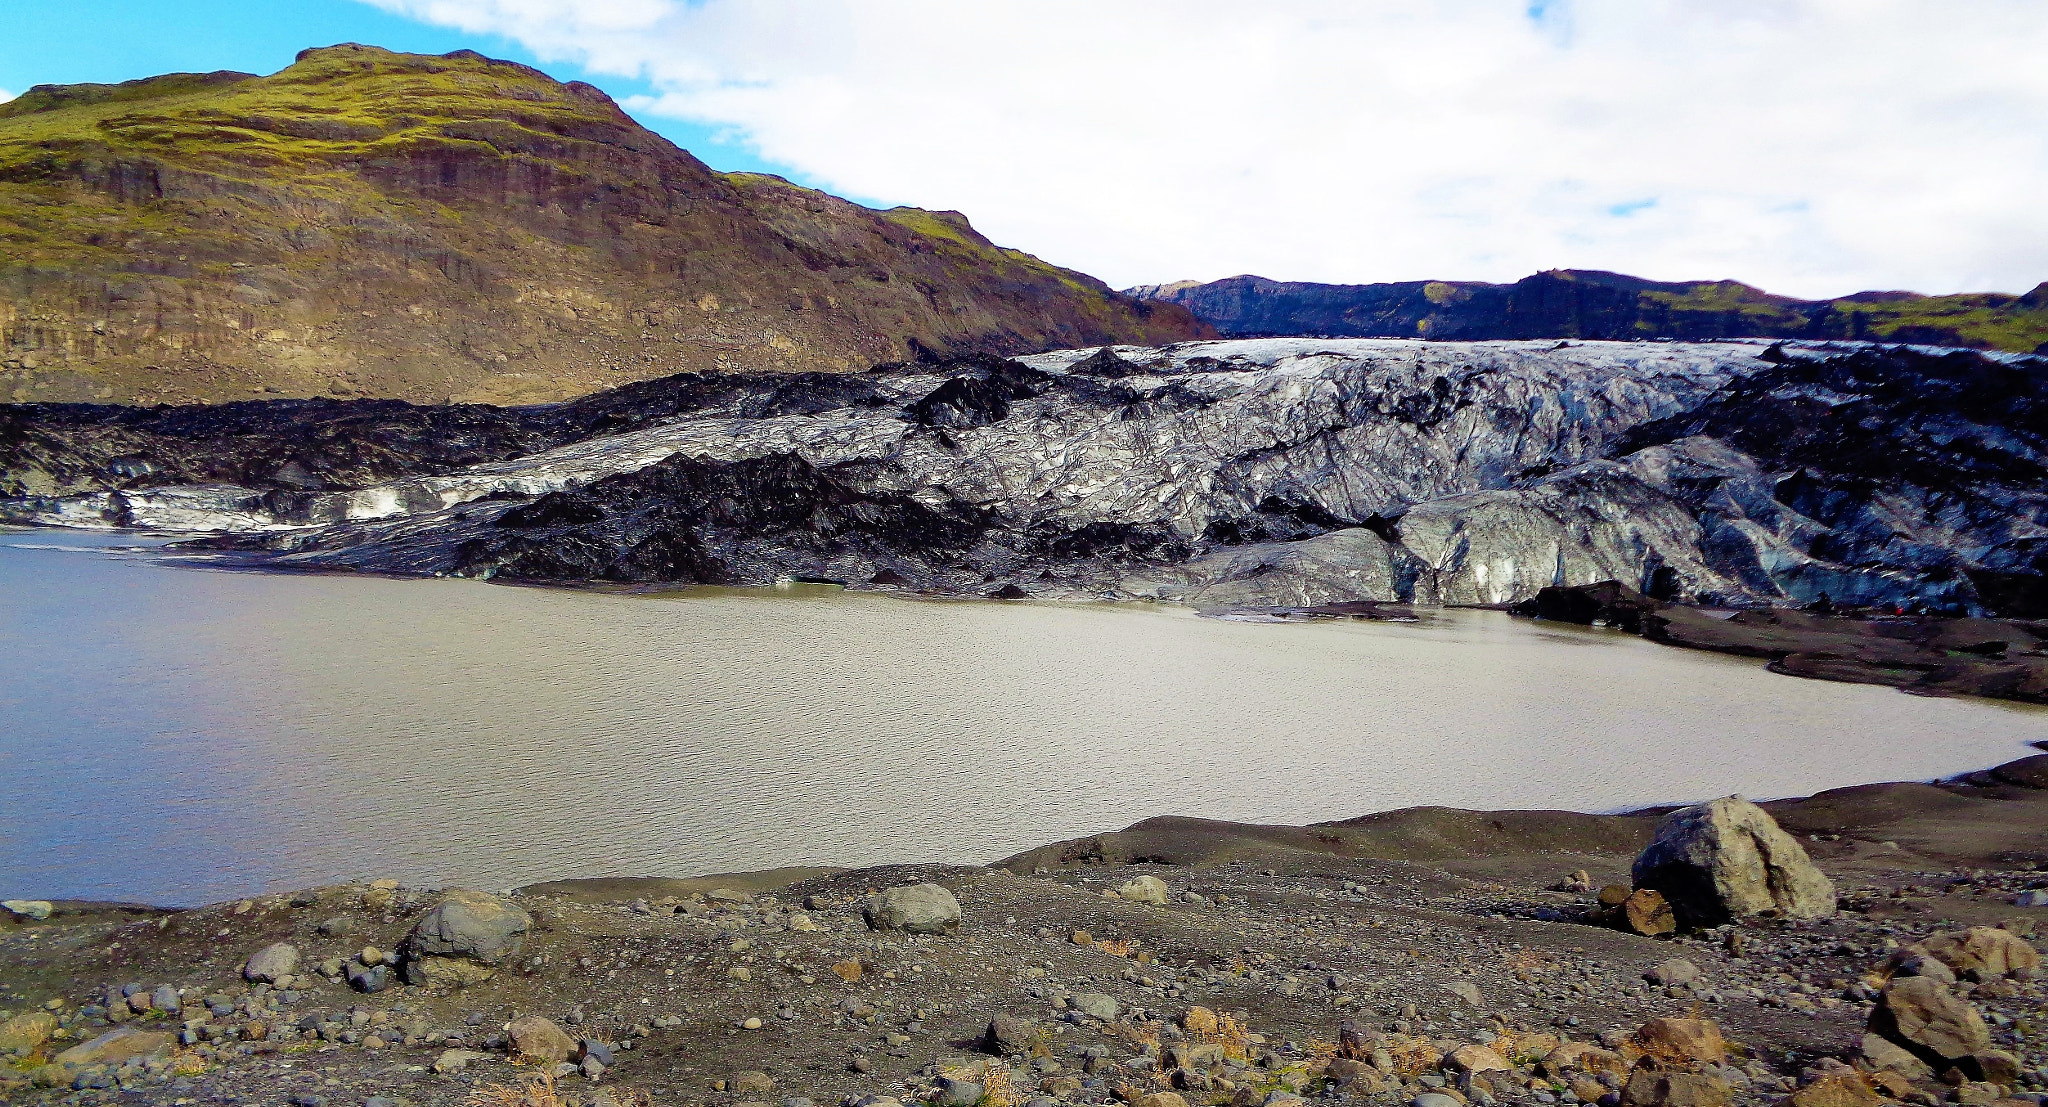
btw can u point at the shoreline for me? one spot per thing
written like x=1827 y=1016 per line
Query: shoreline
x=1970 y=783
x=1081 y=973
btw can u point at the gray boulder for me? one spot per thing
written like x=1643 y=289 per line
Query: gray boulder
x=461 y=940
x=1095 y=1005
x=914 y=909
x=1728 y=859
x=471 y=924
x=272 y=963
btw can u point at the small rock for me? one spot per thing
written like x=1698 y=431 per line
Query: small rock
x=1145 y=889
x=34 y=909
x=272 y=963
x=1476 y=1058
x=1676 y=971
x=1683 y=1040
x=165 y=999
x=1095 y=1005
x=914 y=909
x=1468 y=992
x=1007 y=1034
x=1838 y=1089
x=1648 y=913
x=370 y=980
x=539 y=1040
x=953 y=1091
x=752 y=1083
x=455 y=1060
x=115 y=1047
x=2036 y=898
x=1651 y=1087
x=26 y=1031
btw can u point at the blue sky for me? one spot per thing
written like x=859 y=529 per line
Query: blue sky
x=70 y=41
x=1809 y=147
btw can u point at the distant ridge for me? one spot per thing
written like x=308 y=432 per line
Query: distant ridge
x=1578 y=303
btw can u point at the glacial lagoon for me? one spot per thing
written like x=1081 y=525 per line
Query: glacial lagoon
x=175 y=733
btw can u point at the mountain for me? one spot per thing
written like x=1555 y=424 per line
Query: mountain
x=1243 y=472
x=368 y=223
x=1567 y=303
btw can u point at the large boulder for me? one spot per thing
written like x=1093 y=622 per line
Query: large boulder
x=914 y=909
x=1727 y=859
x=1922 y=1016
x=462 y=939
x=1983 y=953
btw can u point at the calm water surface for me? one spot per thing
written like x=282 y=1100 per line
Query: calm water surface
x=181 y=735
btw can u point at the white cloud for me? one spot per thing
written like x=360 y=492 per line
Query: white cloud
x=5 y=96
x=1813 y=147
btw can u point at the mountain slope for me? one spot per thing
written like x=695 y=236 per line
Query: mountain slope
x=1585 y=304
x=365 y=223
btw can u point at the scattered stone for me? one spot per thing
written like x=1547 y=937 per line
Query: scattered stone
x=1007 y=1034
x=1095 y=1005
x=27 y=1031
x=1675 y=972
x=1476 y=1058
x=1921 y=1015
x=1649 y=1086
x=1983 y=952
x=115 y=1047
x=537 y=1039
x=1883 y=1056
x=1145 y=889
x=848 y=970
x=471 y=924
x=1683 y=1040
x=1729 y=859
x=1838 y=1089
x=272 y=963
x=752 y=1083
x=954 y=1091
x=456 y=1060
x=369 y=979
x=36 y=910
x=1467 y=991
x=1647 y=912
x=914 y=909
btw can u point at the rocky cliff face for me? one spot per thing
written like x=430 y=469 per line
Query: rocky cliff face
x=366 y=223
x=1274 y=472
x=1583 y=304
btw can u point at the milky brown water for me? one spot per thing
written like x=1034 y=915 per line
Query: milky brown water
x=181 y=735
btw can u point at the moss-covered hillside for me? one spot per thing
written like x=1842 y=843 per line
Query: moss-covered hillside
x=432 y=228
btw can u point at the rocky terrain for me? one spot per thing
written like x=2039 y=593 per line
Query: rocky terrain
x=1231 y=476
x=1568 y=303
x=1861 y=947
x=368 y=223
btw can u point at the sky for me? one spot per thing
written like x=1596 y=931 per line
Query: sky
x=1810 y=147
